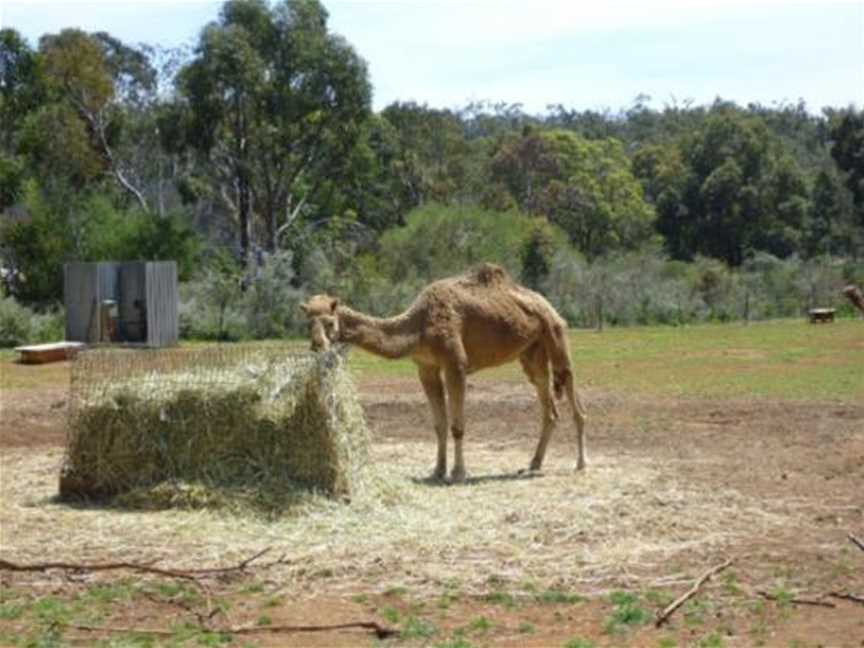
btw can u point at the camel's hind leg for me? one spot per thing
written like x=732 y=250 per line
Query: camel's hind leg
x=536 y=366
x=566 y=376
x=559 y=357
x=430 y=378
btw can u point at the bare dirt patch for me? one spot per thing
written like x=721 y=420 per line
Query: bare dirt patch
x=673 y=487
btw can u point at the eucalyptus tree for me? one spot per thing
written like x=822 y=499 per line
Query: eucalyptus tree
x=585 y=187
x=94 y=83
x=273 y=102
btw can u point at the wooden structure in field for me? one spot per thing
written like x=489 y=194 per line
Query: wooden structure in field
x=132 y=302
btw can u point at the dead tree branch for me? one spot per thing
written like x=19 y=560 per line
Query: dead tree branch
x=858 y=543
x=382 y=632
x=855 y=598
x=795 y=600
x=663 y=617
x=145 y=567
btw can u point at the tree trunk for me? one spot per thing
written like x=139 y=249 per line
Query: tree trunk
x=244 y=214
x=855 y=295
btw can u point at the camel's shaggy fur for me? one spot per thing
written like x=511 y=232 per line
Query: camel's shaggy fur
x=455 y=327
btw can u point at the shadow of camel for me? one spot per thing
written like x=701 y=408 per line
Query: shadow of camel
x=521 y=474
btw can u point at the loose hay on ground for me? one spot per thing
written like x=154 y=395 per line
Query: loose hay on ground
x=238 y=427
x=609 y=525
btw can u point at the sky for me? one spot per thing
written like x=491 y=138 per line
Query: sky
x=582 y=55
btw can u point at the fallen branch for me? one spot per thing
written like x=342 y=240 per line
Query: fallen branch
x=146 y=567
x=95 y=567
x=795 y=601
x=858 y=543
x=855 y=598
x=663 y=617
x=382 y=632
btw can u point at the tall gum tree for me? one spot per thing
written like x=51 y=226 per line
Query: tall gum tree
x=273 y=101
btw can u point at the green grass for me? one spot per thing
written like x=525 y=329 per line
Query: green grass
x=626 y=613
x=557 y=597
x=785 y=359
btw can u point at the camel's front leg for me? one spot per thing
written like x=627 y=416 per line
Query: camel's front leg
x=455 y=377
x=430 y=378
x=548 y=418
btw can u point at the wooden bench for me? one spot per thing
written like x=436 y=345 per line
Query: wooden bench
x=53 y=352
x=821 y=315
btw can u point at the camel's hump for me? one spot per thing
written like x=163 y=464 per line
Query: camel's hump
x=489 y=274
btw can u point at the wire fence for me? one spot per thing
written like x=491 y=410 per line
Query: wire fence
x=241 y=418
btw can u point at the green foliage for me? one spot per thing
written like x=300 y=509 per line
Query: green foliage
x=438 y=241
x=273 y=91
x=579 y=643
x=415 y=628
x=88 y=227
x=209 y=305
x=557 y=597
x=626 y=612
x=586 y=187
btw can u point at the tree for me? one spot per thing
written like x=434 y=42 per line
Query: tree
x=90 y=77
x=847 y=148
x=585 y=187
x=725 y=189
x=431 y=153
x=19 y=92
x=274 y=102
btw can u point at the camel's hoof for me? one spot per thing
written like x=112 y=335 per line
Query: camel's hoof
x=457 y=477
x=437 y=476
x=580 y=467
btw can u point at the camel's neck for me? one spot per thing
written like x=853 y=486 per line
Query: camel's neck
x=393 y=337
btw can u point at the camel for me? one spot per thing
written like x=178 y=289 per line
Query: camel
x=457 y=326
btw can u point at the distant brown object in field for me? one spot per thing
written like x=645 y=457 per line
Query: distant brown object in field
x=854 y=295
x=455 y=327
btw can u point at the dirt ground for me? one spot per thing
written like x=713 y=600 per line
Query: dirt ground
x=807 y=458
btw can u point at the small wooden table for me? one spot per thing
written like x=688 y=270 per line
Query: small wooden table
x=52 y=352
x=821 y=315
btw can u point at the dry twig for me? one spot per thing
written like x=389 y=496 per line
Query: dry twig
x=855 y=598
x=795 y=600
x=858 y=543
x=663 y=617
x=382 y=632
x=146 y=567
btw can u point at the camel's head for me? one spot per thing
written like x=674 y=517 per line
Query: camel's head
x=323 y=321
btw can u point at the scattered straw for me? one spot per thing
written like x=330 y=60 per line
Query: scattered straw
x=614 y=524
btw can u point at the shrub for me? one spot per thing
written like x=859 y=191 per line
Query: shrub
x=14 y=323
x=439 y=241
x=20 y=325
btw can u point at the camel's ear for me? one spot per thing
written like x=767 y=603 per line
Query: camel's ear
x=304 y=308
x=334 y=304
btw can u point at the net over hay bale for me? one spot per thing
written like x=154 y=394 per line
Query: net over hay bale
x=212 y=426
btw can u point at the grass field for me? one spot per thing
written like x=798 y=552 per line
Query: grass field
x=778 y=359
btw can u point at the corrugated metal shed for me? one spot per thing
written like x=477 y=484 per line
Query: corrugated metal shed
x=132 y=302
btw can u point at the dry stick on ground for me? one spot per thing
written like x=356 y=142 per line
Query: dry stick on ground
x=194 y=575
x=147 y=567
x=663 y=617
x=795 y=601
x=382 y=632
x=858 y=543
x=848 y=597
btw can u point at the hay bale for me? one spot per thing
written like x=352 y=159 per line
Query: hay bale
x=225 y=426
